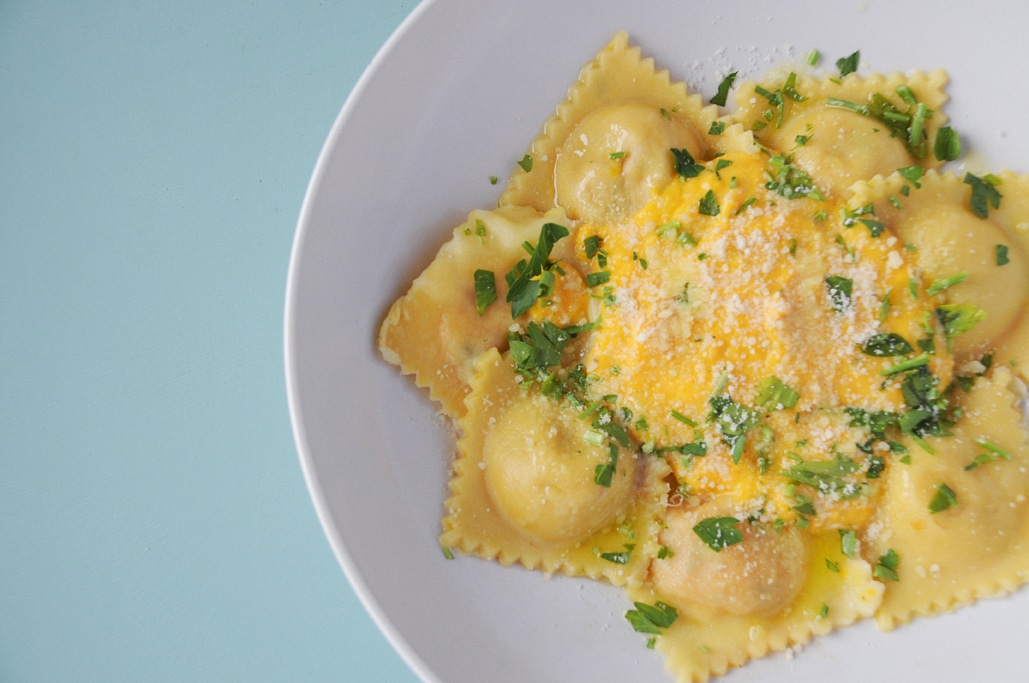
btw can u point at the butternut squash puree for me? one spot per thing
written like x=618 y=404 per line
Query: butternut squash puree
x=762 y=368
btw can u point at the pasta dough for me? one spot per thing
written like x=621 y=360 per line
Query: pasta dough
x=761 y=368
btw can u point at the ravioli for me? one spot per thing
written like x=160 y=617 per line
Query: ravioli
x=761 y=368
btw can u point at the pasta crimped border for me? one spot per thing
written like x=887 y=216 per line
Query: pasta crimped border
x=617 y=74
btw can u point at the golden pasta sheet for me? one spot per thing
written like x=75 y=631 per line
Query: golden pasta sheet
x=435 y=331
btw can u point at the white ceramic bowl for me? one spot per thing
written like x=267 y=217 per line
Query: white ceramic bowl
x=453 y=98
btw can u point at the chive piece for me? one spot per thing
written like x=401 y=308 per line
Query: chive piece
x=812 y=57
x=448 y=554
x=747 y=203
x=719 y=532
x=948 y=145
x=717 y=128
x=615 y=156
x=672 y=226
x=526 y=163
x=945 y=283
x=723 y=90
x=833 y=567
x=1001 y=251
x=493 y=180
x=485 y=289
x=619 y=558
x=682 y=418
x=910 y=364
x=848 y=65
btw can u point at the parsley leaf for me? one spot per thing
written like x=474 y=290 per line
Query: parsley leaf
x=848 y=65
x=785 y=179
x=773 y=394
x=840 y=289
x=828 y=476
x=719 y=532
x=1001 y=251
x=526 y=163
x=709 y=204
x=984 y=194
x=887 y=566
x=685 y=165
x=945 y=498
x=723 y=89
x=735 y=421
x=485 y=289
x=524 y=281
x=948 y=145
x=886 y=344
x=653 y=619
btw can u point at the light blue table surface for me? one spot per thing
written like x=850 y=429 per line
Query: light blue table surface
x=154 y=524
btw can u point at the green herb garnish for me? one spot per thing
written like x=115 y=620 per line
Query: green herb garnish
x=719 y=532
x=485 y=289
x=723 y=89
x=945 y=498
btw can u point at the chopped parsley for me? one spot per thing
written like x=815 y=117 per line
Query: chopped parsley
x=938 y=286
x=886 y=568
x=604 y=472
x=958 y=318
x=993 y=452
x=948 y=144
x=984 y=193
x=848 y=542
x=709 y=204
x=717 y=128
x=485 y=289
x=886 y=344
x=773 y=394
x=685 y=165
x=849 y=64
x=827 y=476
x=944 y=499
x=785 y=179
x=719 y=532
x=1001 y=253
x=532 y=279
x=619 y=558
x=840 y=289
x=652 y=619
x=734 y=421
x=722 y=95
